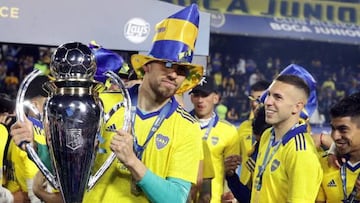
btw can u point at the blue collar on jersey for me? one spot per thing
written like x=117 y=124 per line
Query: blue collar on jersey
x=36 y=122
x=302 y=128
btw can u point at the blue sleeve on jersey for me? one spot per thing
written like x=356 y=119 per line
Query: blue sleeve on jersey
x=240 y=191
x=158 y=189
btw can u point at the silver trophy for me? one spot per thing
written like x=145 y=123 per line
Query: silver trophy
x=72 y=118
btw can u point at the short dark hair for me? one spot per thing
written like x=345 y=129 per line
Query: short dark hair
x=295 y=81
x=260 y=85
x=347 y=106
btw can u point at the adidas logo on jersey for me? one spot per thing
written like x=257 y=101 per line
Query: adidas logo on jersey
x=111 y=128
x=332 y=183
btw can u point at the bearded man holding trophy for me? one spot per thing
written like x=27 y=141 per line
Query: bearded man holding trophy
x=157 y=155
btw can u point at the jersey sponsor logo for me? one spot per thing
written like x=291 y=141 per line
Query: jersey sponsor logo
x=332 y=183
x=274 y=165
x=161 y=141
x=214 y=140
x=112 y=127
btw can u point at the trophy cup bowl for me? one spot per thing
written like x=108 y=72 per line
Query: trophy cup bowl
x=71 y=123
x=72 y=118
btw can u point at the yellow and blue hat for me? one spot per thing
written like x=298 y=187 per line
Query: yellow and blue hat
x=174 y=43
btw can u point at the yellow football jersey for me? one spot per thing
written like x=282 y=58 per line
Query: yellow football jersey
x=3 y=138
x=19 y=168
x=331 y=189
x=246 y=144
x=223 y=141
x=208 y=165
x=173 y=151
x=293 y=173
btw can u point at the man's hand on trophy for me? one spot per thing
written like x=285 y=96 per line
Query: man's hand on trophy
x=22 y=132
x=122 y=145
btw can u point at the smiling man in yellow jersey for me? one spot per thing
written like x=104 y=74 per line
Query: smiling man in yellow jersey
x=339 y=184
x=220 y=135
x=282 y=172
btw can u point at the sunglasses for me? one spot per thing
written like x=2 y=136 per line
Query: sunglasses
x=182 y=70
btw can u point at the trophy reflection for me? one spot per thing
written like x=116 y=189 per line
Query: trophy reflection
x=72 y=118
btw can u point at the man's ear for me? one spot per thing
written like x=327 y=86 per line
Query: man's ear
x=146 y=67
x=216 y=98
x=299 y=106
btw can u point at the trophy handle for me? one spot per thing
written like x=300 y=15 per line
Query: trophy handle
x=127 y=120
x=20 y=114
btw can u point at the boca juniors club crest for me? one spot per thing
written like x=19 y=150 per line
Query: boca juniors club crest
x=275 y=164
x=161 y=141
x=214 y=140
